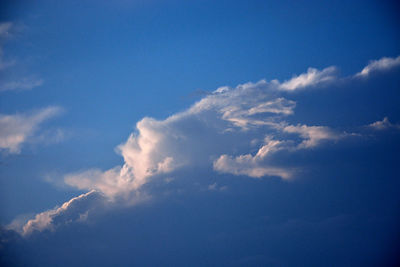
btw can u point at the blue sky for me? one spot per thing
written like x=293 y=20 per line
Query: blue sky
x=223 y=133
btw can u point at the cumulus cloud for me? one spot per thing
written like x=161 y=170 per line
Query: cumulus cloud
x=384 y=124
x=220 y=120
x=16 y=129
x=382 y=64
x=218 y=132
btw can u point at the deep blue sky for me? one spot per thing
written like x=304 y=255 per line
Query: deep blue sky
x=106 y=65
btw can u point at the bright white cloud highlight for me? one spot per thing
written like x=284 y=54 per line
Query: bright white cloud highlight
x=16 y=129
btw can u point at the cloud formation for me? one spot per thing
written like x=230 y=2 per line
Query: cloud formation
x=16 y=129
x=208 y=129
x=217 y=132
x=224 y=118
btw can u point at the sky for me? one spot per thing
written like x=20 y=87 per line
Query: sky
x=199 y=133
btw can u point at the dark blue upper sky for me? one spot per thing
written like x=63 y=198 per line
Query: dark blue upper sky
x=300 y=168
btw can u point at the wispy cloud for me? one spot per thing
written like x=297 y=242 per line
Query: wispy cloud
x=23 y=84
x=16 y=129
x=312 y=77
x=384 y=124
x=385 y=63
x=22 y=81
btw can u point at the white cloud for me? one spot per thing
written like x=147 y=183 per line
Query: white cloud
x=384 y=124
x=313 y=77
x=382 y=64
x=16 y=129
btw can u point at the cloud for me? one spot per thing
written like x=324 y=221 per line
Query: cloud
x=312 y=135
x=75 y=210
x=257 y=166
x=217 y=132
x=16 y=129
x=384 y=124
x=253 y=166
x=383 y=64
x=313 y=77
